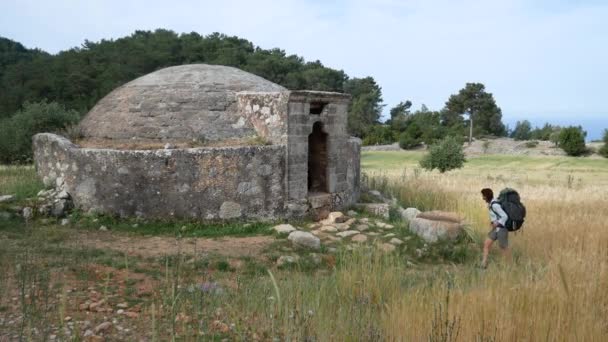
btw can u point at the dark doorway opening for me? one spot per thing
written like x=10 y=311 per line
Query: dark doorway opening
x=317 y=159
x=317 y=107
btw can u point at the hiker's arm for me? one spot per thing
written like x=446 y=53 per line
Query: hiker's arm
x=501 y=220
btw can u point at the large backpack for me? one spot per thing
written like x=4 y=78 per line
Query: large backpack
x=511 y=203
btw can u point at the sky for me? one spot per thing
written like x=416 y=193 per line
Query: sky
x=544 y=60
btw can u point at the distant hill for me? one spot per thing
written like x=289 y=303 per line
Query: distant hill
x=79 y=77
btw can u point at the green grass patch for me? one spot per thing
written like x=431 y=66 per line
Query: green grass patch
x=175 y=227
x=20 y=181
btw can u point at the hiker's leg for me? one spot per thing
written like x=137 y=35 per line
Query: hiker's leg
x=486 y=251
x=503 y=242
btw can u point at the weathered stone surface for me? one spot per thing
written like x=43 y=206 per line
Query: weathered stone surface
x=437 y=215
x=286 y=259
x=328 y=229
x=6 y=198
x=28 y=213
x=304 y=239
x=396 y=242
x=203 y=103
x=185 y=183
x=284 y=228
x=334 y=217
x=378 y=209
x=347 y=233
x=409 y=214
x=432 y=231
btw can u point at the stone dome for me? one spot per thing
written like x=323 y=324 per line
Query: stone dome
x=196 y=101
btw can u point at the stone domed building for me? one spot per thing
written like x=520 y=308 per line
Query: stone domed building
x=208 y=142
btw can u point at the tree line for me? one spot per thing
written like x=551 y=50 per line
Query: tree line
x=40 y=91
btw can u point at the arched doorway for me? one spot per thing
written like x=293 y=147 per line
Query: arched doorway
x=317 y=159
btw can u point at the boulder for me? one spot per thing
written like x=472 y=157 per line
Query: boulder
x=432 y=231
x=409 y=214
x=304 y=239
x=6 y=198
x=334 y=217
x=284 y=228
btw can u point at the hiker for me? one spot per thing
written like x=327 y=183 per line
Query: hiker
x=498 y=219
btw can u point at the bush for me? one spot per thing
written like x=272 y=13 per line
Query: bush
x=446 y=155
x=603 y=151
x=16 y=131
x=532 y=143
x=572 y=141
x=407 y=141
x=379 y=135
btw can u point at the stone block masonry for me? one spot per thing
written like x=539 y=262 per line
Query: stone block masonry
x=203 y=183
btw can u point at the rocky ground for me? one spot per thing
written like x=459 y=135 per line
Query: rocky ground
x=72 y=277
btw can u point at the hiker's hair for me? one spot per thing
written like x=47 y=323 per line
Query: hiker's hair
x=487 y=193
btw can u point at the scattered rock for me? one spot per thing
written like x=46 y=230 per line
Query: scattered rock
x=362 y=227
x=103 y=228
x=103 y=327
x=169 y=146
x=61 y=207
x=352 y=213
x=437 y=215
x=432 y=231
x=284 y=228
x=122 y=305
x=6 y=198
x=359 y=238
x=65 y=222
x=347 y=233
x=304 y=239
x=88 y=333
x=396 y=241
x=63 y=195
x=315 y=258
x=387 y=247
x=120 y=311
x=378 y=209
x=384 y=225
x=408 y=214
x=372 y=234
x=28 y=213
x=334 y=217
x=389 y=235
x=328 y=229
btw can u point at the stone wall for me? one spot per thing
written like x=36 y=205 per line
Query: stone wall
x=266 y=112
x=204 y=183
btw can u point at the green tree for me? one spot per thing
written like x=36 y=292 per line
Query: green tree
x=444 y=156
x=366 y=105
x=16 y=132
x=474 y=100
x=603 y=151
x=522 y=131
x=572 y=140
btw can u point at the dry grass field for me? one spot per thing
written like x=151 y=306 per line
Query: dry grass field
x=554 y=289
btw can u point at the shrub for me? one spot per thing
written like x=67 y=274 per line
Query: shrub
x=446 y=155
x=603 y=151
x=379 y=135
x=16 y=131
x=532 y=143
x=407 y=141
x=572 y=141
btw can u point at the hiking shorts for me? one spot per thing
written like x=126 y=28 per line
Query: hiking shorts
x=500 y=234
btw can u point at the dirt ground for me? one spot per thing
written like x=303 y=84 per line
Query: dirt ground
x=156 y=246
